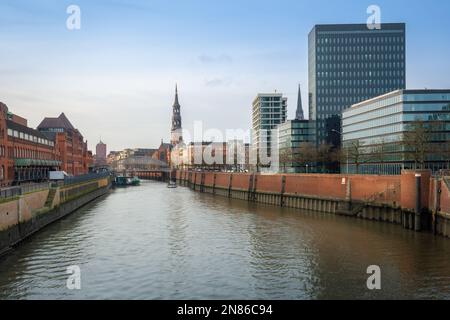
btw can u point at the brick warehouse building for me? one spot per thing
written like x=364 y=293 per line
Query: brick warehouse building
x=27 y=155
x=74 y=154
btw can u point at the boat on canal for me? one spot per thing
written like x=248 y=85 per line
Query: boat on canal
x=124 y=181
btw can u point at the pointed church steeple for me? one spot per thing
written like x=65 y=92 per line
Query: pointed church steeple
x=176 y=131
x=299 y=115
x=176 y=103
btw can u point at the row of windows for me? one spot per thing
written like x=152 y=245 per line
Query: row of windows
x=347 y=68
x=361 y=91
x=376 y=113
x=397 y=129
x=295 y=132
x=372 y=57
x=28 y=137
x=430 y=107
x=373 y=105
x=360 y=82
x=271 y=105
x=389 y=129
x=400 y=98
x=339 y=101
x=25 y=153
x=276 y=99
x=359 y=49
x=361 y=40
x=426 y=97
x=392 y=138
x=358 y=73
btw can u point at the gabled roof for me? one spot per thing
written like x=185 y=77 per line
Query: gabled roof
x=60 y=122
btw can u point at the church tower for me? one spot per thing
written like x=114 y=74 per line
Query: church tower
x=299 y=114
x=176 y=132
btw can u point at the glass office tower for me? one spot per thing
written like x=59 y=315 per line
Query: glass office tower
x=350 y=63
x=268 y=111
x=376 y=130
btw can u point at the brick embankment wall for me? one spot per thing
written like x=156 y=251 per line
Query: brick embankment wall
x=441 y=206
x=27 y=214
x=381 y=198
x=326 y=193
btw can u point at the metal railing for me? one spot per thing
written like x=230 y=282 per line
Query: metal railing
x=85 y=178
x=12 y=192
x=34 y=187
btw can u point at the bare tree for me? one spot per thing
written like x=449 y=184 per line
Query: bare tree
x=324 y=151
x=356 y=153
x=286 y=158
x=379 y=152
x=305 y=155
x=444 y=150
x=417 y=142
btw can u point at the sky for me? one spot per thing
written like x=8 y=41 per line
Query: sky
x=115 y=77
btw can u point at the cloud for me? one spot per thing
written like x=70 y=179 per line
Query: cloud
x=218 y=82
x=221 y=59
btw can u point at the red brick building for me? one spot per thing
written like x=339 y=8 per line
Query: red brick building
x=74 y=154
x=25 y=154
x=163 y=153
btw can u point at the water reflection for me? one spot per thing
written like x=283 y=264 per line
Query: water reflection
x=153 y=243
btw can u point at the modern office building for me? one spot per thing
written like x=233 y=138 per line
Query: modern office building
x=269 y=110
x=348 y=64
x=292 y=135
x=404 y=129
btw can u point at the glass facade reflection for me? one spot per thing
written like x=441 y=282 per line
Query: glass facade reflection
x=349 y=64
x=381 y=123
x=291 y=136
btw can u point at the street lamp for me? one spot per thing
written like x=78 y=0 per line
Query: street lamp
x=342 y=139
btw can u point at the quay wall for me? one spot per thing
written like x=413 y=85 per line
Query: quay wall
x=441 y=203
x=381 y=198
x=22 y=216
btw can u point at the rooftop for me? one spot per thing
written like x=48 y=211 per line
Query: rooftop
x=61 y=123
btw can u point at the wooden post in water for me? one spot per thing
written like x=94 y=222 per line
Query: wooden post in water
x=283 y=190
x=418 y=211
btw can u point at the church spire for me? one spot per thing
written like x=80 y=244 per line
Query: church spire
x=299 y=115
x=176 y=103
x=176 y=136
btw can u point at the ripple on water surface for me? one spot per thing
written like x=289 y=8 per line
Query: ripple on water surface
x=150 y=242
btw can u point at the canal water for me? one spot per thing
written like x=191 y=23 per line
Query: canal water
x=150 y=242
